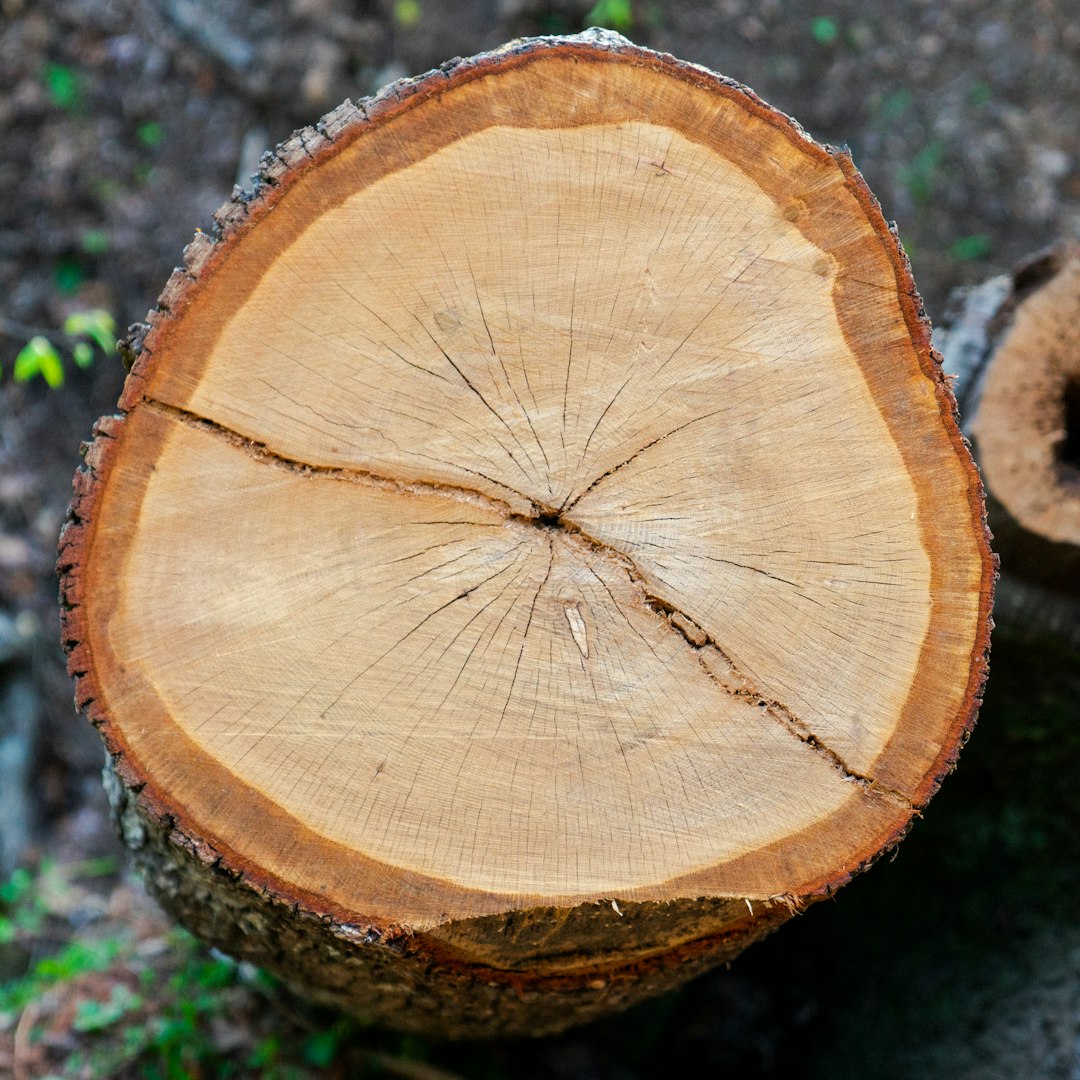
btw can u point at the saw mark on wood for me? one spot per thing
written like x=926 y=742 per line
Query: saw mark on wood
x=472 y=651
x=464 y=594
x=643 y=740
x=407 y=676
x=525 y=634
x=492 y=637
x=569 y=358
x=600 y=419
x=732 y=562
x=739 y=684
x=696 y=638
x=389 y=348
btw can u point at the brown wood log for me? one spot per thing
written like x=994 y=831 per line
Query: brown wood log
x=536 y=554
x=1013 y=346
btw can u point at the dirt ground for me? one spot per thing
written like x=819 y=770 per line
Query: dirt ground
x=125 y=123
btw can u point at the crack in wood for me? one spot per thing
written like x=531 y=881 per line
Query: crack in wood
x=349 y=474
x=738 y=684
x=731 y=680
x=572 y=500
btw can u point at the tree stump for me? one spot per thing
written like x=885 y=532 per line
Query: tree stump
x=536 y=554
x=1013 y=345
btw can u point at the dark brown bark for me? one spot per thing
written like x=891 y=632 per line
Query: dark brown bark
x=413 y=984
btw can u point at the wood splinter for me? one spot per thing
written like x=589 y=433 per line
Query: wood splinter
x=520 y=574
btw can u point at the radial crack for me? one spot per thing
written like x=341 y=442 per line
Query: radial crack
x=737 y=683
x=349 y=474
x=572 y=500
x=731 y=679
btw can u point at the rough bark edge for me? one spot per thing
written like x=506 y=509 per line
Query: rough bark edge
x=389 y=979
x=279 y=169
x=191 y=860
x=920 y=331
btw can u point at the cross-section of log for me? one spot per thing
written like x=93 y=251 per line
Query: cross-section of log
x=1014 y=346
x=1028 y=420
x=536 y=554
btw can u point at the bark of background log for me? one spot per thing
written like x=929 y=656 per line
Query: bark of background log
x=1020 y=333
x=431 y=943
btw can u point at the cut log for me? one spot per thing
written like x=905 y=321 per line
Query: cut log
x=1013 y=345
x=536 y=554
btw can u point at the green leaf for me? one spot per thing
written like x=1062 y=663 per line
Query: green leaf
x=96 y=1015
x=19 y=884
x=407 y=12
x=78 y=958
x=824 y=30
x=136 y=1039
x=921 y=176
x=319 y=1049
x=39 y=357
x=62 y=82
x=265 y=1053
x=150 y=133
x=69 y=275
x=895 y=105
x=99 y=867
x=75 y=959
x=553 y=22
x=94 y=241
x=83 y=354
x=97 y=324
x=614 y=14
x=967 y=248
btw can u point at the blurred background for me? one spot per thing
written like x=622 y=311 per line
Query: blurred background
x=123 y=125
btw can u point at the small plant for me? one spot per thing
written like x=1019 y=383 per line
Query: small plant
x=893 y=107
x=97 y=1015
x=824 y=30
x=86 y=332
x=150 y=133
x=921 y=177
x=63 y=85
x=967 y=248
x=159 y=1007
x=614 y=14
x=407 y=12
